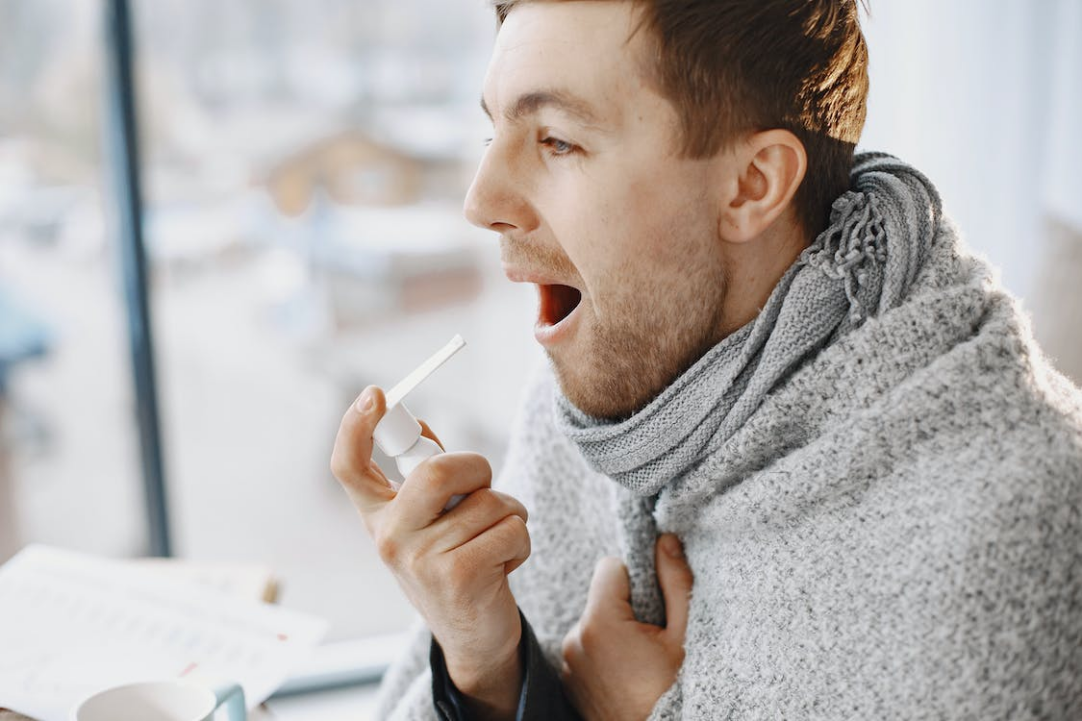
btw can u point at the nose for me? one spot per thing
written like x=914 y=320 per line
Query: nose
x=497 y=198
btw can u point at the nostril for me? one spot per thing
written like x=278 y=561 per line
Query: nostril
x=486 y=216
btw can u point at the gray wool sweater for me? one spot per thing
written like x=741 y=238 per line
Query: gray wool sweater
x=895 y=533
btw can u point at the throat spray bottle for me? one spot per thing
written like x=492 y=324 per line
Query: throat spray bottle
x=398 y=434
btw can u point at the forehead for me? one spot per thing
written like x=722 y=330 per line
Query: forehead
x=589 y=50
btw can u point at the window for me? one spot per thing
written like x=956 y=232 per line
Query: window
x=303 y=165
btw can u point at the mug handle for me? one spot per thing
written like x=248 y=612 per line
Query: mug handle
x=233 y=698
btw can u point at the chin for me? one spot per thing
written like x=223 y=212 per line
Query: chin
x=609 y=381
x=597 y=393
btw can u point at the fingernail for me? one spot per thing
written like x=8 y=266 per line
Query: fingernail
x=673 y=546
x=366 y=402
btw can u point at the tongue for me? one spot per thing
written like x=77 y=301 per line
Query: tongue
x=557 y=302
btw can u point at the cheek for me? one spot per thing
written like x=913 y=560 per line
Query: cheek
x=616 y=225
x=657 y=229
x=588 y=224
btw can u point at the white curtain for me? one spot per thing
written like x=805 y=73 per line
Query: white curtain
x=985 y=96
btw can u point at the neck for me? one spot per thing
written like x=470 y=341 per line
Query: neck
x=755 y=267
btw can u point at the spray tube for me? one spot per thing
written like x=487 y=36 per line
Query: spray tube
x=398 y=434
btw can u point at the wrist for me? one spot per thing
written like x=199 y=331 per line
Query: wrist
x=492 y=681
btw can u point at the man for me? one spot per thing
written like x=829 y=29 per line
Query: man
x=840 y=479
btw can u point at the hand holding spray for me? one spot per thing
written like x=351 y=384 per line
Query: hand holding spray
x=398 y=434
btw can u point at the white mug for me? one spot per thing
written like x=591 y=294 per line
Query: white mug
x=162 y=701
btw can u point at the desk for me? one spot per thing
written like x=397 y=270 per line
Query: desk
x=356 y=703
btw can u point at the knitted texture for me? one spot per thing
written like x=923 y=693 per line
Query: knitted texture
x=893 y=532
x=879 y=237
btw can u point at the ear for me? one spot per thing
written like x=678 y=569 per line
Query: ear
x=770 y=167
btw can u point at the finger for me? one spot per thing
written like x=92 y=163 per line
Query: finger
x=426 y=490
x=675 y=578
x=524 y=549
x=506 y=542
x=427 y=433
x=351 y=459
x=610 y=591
x=480 y=510
x=570 y=647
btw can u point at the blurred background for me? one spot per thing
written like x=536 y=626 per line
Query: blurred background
x=303 y=167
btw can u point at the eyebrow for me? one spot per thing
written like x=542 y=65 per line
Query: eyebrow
x=530 y=103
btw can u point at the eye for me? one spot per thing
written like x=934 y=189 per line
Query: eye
x=557 y=147
x=486 y=142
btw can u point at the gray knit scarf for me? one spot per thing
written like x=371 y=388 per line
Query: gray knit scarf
x=863 y=264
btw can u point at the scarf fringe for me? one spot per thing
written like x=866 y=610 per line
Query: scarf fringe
x=880 y=236
x=855 y=241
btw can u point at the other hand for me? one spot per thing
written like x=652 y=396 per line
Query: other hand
x=452 y=566
x=614 y=666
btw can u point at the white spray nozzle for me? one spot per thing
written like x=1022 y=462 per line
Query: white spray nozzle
x=407 y=384
x=398 y=430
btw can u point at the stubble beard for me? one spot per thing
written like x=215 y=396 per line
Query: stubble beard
x=646 y=341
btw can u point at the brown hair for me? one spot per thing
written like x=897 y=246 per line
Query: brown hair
x=737 y=66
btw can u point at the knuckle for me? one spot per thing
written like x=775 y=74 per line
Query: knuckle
x=416 y=568
x=344 y=468
x=511 y=503
x=485 y=499
x=434 y=472
x=490 y=503
x=339 y=467
x=472 y=465
x=500 y=531
x=676 y=655
x=388 y=548
x=458 y=580
x=510 y=533
x=484 y=468
x=460 y=570
x=524 y=539
x=516 y=529
x=464 y=471
x=589 y=635
x=567 y=647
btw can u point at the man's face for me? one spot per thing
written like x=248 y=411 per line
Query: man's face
x=584 y=183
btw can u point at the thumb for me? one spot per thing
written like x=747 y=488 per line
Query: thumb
x=675 y=577
x=610 y=591
x=351 y=459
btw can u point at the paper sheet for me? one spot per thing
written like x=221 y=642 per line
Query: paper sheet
x=71 y=625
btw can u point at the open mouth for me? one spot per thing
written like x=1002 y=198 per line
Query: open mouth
x=558 y=302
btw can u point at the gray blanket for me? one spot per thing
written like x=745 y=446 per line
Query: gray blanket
x=893 y=531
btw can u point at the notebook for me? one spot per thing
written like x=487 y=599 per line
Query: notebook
x=72 y=624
